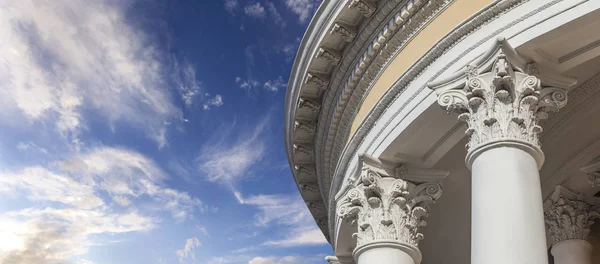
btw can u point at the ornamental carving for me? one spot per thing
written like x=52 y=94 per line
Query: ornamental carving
x=309 y=104
x=366 y=7
x=347 y=32
x=386 y=208
x=307 y=170
x=331 y=56
x=568 y=217
x=302 y=126
x=594 y=178
x=304 y=149
x=593 y=172
x=501 y=97
x=320 y=81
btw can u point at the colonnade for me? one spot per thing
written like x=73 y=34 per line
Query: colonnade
x=501 y=97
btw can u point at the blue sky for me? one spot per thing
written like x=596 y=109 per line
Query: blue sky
x=149 y=132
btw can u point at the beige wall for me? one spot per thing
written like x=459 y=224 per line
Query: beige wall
x=456 y=13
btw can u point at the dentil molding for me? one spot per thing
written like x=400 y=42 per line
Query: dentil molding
x=569 y=215
x=384 y=208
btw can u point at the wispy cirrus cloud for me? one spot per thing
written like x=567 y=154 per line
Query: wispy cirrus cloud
x=227 y=161
x=275 y=84
x=61 y=58
x=188 y=251
x=231 y=6
x=289 y=213
x=255 y=10
x=303 y=8
x=216 y=101
x=286 y=260
x=102 y=191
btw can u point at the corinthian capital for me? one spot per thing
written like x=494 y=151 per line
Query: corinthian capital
x=385 y=208
x=568 y=216
x=502 y=97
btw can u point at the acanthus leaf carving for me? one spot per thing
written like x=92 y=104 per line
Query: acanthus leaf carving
x=499 y=99
x=309 y=104
x=304 y=126
x=568 y=217
x=347 y=32
x=387 y=208
x=318 y=80
x=304 y=149
x=333 y=57
x=366 y=7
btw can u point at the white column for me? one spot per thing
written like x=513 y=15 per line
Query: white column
x=502 y=98
x=387 y=213
x=507 y=218
x=569 y=219
x=572 y=251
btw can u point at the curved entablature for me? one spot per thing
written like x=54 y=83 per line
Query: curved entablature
x=342 y=41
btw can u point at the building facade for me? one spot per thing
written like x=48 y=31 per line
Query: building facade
x=450 y=131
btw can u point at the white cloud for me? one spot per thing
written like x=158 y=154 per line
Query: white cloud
x=289 y=212
x=216 y=101
x=275 y=85
x=59 y=57
x=275 y=15
x=54 y=235
x=188 y=250
x=276 y=260
x=24 y=146
x=287 y=260
x=231 y=6
x=226 y=161
x=185 y=79
x=202 y=229
x=246 y=85
x=302 y=8
x=74 y=202
x=130 y=175
x=255 y=10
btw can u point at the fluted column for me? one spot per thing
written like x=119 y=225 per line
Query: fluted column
x=502 y=98
x=569 y=219
x=387 y=213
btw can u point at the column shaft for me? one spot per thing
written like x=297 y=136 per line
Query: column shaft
x=572 y=251
x=507 y=211
x=384 y=253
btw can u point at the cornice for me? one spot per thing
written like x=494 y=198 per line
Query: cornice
x=404 y=22
x=462 y=31
x=366 y=38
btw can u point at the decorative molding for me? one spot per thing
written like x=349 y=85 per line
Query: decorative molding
x=501 y=97
x=332 y=260
x=304 y=149
x=347 y=32
x=474 y=24
x=383 y=207
x=316 y=207
x=318 y=80
x=309 y=104
x=366 y=7
x=304 y=126
x=304 y=169
x=311 y=187
x=339 y=260
x=568 y=216
x=333 y=57
x=403 y=25
x=593 y=172
x=415 y=174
